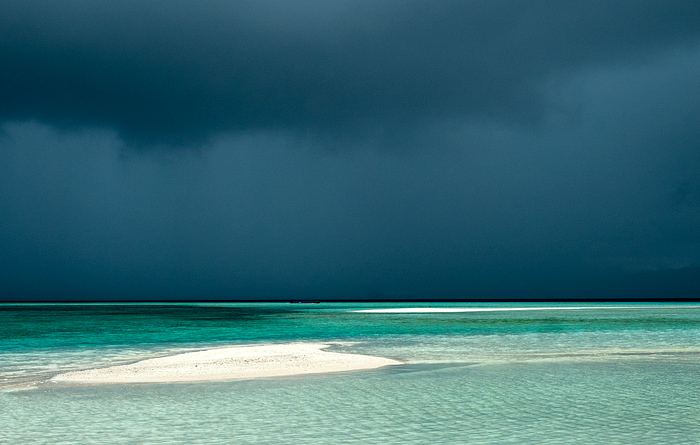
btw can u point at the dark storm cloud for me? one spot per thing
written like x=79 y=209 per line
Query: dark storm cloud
x=349 y=149
x=178 y=72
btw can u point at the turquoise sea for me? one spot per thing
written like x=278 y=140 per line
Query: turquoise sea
x=607 y=373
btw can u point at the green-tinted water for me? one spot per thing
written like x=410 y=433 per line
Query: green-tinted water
x=597 y=375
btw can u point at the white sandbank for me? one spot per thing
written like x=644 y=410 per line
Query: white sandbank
x=233 y=363
x=412 y=310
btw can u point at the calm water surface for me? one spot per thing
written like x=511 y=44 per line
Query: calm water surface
x=603 y=374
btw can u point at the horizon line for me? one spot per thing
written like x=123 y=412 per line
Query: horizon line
x=374 y=300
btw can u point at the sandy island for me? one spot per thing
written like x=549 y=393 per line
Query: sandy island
x=234 y=363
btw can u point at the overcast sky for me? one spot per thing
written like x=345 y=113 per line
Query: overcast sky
x=345 y=149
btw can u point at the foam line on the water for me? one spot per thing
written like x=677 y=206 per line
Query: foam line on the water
x=234 y=363
x=414 y=310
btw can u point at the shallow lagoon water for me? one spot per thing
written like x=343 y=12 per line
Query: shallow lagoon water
x=597 y=375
